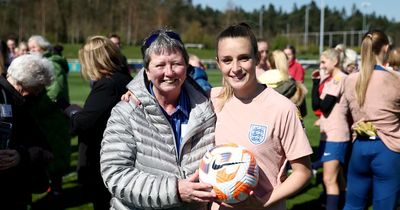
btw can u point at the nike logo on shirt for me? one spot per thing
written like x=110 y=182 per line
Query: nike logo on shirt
x=218 y=166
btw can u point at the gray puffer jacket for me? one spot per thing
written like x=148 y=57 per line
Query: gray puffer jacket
x=139 y=161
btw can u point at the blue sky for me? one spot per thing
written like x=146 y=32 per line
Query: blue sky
x=388 y=8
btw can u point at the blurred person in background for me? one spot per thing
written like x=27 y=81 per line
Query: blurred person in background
x=197 y=71
x=394 y=59
x=24 y=152
x=334 y=126
x=46 y=106
x=58 y=91
x=22 y=49
x=348 y=59
x=101 y=62
x=278 y=77
x=58 y=49
x=296 y=70
x=3 y=58
x=263 y=50
x=117 y=41
x=11 y=45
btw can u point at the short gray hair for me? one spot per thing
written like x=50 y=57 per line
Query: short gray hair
x=166 y=41
x=40 y=41
x=31 y=72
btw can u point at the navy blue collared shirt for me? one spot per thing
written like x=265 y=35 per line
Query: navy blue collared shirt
x=179 y=117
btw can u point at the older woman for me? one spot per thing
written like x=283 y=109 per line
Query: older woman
x=24 y=151
x=150 y=151
x=101 y=63
x=58 y=90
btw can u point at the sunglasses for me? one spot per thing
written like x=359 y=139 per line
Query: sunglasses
x=155 y=35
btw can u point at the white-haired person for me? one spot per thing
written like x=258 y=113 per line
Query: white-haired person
x=24 y=152
x=372 y=95
x=348 y=59
x=58 y=91
x=46 y=108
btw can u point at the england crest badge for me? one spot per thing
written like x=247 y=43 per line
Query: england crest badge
x=258 y=133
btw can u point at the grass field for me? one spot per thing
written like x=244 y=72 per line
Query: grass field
x=79 y=89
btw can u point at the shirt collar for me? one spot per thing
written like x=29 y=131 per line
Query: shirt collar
x=183 y=101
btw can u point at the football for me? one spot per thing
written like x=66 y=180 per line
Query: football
x=232 y=170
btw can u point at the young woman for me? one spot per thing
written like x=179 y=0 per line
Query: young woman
x=334 y=126
x=296 y=70
x=373 y=98
x=257 y=117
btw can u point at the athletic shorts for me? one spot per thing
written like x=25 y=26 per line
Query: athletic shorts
x=329 y=150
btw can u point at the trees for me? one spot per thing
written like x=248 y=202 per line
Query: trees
x=74 y=20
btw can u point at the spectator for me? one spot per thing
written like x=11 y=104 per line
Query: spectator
x=263 y=51
x=295 y=69
x=101 y=62
x=162 y=138
x=348 y=59
x=58 y=51
x=3 y=58
x=372 y=95
x=264 y=121
x=24 y=152
x=45 y=106
x=22 y=49
x=117 y=41
x=197 y=71
x=11 y=45
x=58 y=91
x=394 y=59
x=278 y=78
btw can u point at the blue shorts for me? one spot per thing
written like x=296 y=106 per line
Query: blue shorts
x=329 y=150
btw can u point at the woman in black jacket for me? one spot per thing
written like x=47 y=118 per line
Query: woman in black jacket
x=101 y=63
x=24 y=152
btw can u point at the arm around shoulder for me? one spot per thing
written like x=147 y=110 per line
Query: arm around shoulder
x=125 y=181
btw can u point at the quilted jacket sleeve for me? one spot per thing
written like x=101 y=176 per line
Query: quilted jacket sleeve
x=126 y=183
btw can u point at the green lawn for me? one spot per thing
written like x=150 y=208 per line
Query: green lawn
x=79 y=89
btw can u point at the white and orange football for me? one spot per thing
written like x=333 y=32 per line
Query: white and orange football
x=232 y=170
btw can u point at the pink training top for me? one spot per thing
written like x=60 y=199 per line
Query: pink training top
x=335 y=127
x=270 y=128
x=381 y=106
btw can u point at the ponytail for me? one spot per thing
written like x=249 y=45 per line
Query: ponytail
x=371 y=48
x=367 y=67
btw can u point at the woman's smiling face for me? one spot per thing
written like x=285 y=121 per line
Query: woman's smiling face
x=237 y=62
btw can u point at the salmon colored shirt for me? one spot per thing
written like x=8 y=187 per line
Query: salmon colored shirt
x=270 y=128
x=381 y=106
x=335 y=126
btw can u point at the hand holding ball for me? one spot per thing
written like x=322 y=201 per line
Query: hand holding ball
x=232 y=170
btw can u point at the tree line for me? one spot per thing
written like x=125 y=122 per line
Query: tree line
x=72 y=21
